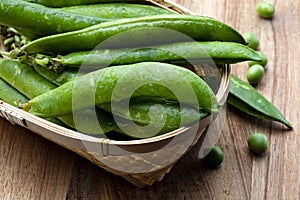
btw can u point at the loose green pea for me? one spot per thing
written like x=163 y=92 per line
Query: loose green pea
x=258 y=143
x=251 y=39
x=255 y=74
x=214 y=156
x=263 y=63
x=265 y=9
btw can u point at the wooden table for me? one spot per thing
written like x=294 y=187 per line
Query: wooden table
x=33 y=168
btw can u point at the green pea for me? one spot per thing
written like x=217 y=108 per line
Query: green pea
x=258 y=143
x=265 y=9
x=214 y=156
x=251 y=39
x=263 y=63
x=255 y=74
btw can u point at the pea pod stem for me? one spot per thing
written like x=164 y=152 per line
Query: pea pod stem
x=244 y=97
x=4 y=53
x=194 y=52
x=12 y=38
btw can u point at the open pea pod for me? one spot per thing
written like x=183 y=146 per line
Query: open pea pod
x=244 y=97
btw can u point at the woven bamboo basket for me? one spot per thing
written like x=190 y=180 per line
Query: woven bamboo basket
x=141 y=162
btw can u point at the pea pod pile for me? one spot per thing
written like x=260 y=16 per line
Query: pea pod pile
x=149 y=51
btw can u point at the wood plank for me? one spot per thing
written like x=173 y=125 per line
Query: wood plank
x=32 y=167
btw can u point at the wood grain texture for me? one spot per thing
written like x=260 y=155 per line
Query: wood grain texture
x=34 y=168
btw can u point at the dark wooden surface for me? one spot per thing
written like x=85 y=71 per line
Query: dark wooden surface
x=33 y=168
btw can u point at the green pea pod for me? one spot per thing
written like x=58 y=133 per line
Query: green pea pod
x=57 y=78
x=24 y=78
x=66 y=3
x=31 y=84
x=219 y=52
x=159 y=29
x=244 y=97
x=42 y=20
x=140 y=112
x=97 y=88
x=10 y=95
x=116 y=10
x=90 y=121
x=13 y=97
x=27 y=34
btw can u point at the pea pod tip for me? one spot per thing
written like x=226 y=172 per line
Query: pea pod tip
x=289 y=126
